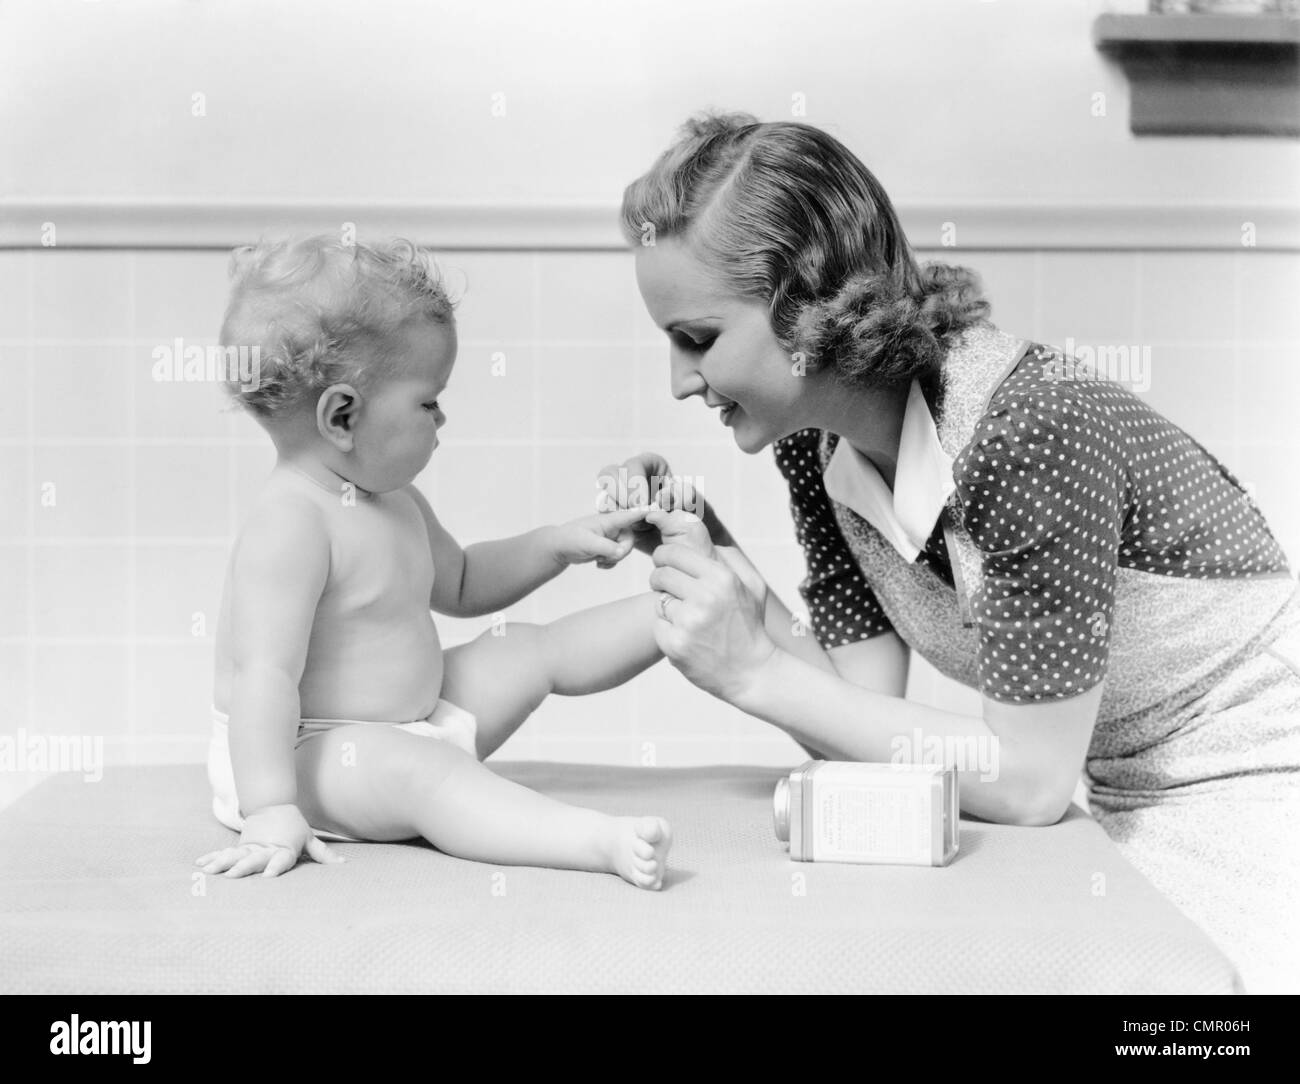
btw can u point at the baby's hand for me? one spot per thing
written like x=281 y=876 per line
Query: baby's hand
x=684 y=527
x=596 y=538
x=271 y=843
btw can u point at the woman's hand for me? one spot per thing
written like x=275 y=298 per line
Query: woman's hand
x=646 y=479
x=711 y=618
x=272 y=841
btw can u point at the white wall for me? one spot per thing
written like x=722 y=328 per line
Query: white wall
x=949 y=101
x=383 y=99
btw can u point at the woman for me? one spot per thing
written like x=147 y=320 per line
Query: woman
x=1034 y=532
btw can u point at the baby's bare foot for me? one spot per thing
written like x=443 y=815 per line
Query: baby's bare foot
x=639 y=850
x=684 y=527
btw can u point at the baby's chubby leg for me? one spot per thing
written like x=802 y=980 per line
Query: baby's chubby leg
x=375 y=782
x=502 y=678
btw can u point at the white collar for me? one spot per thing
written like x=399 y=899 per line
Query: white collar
x=922 y=482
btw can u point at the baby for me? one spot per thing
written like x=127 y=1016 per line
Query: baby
x=336 y=711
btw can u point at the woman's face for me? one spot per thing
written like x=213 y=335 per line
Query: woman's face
x=721 y=347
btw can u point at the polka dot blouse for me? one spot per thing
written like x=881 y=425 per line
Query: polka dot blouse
x=1063 y=483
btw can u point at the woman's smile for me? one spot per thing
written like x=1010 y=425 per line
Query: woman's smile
x=725 y=408
x=720 y=339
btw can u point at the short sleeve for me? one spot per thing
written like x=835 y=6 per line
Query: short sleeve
x=841 y=605
x=1043 y=490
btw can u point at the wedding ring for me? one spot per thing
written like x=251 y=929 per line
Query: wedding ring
x=664 y=599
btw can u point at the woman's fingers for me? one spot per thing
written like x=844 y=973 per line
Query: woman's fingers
x=684 y=493
x=630 y=482
x=643 y=465
x=648 y=465
x=673 y=580
x=669 y=639
x=646 y=479
x=693 y=563
x=607 y=480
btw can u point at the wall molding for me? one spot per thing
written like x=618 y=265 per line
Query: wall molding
x=204 y=224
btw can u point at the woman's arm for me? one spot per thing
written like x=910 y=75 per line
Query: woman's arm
x=880 y=663
x=1023 y=761
x=788 y=632
x=1030 y=756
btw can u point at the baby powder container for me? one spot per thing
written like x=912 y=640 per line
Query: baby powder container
x=847 y=811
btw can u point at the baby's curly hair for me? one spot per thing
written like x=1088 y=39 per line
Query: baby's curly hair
x=791 y=217
x=321 y=311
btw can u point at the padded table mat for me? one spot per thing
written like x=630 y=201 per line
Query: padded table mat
x=98 y=894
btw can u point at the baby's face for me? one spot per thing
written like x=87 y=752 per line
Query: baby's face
x=397 y=429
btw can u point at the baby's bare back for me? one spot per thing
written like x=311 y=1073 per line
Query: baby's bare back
x=373 y=653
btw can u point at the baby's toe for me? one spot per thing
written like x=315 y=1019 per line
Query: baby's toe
x=647 y=878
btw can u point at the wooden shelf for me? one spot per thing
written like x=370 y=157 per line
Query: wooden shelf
x=1208 y=74
x=1124 y=30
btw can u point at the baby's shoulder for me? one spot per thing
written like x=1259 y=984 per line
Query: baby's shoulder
x=282 y=519
x=415 y=505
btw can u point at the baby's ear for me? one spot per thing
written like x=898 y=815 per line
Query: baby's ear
x=336 y=414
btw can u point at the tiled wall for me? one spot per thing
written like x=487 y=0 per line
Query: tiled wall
x=119 y=494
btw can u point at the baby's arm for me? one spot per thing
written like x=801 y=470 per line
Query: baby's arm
x=502 y=679
x=279 y=570
x=607 y=645
x=489 y=576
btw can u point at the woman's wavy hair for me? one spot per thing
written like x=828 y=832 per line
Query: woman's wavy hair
x=790 y=216
x=322 y=311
